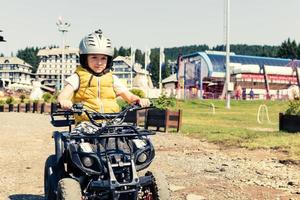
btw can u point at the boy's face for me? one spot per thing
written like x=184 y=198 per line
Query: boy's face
x=97 y=62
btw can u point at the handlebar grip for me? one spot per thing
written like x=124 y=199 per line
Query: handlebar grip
x=137 y=102
x=78 y=106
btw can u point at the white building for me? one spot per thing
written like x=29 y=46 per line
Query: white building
x=50 y=68
x=140 y=77
x=122 y=69
x=14 y=70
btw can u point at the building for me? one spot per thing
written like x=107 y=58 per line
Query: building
x=50 y=67
x=170 y=84
x=140 y=77
x=49 y=71
x=15 y=71
x=122 y=69
x=202 y=74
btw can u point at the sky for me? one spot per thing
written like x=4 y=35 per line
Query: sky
x=148 y=24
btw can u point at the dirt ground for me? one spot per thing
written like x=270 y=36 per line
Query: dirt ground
x=195 y=169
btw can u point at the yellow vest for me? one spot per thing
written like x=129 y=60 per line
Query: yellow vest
x=96 y=93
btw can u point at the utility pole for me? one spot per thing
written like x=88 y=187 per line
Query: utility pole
x=147 y=58
x=63 y=27
x=132 y=58
x=161 y=62
x=228 y=84
x=147 y=63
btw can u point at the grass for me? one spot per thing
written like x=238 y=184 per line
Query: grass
x=238 y=126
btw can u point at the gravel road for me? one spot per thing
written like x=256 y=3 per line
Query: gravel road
x=195 y=169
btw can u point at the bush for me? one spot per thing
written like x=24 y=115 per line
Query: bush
x=138 y=92
x=163 y=102
x=22 y=97
x=47 y=97
x=294 y=107
x=122 y=103
x=10 y=100
x=2 y=102
x=54 y=98
x=36 y=101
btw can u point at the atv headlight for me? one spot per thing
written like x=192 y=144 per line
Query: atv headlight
x=87 y=161
x=142 y=157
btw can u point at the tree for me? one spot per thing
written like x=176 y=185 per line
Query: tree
x=116 y=53
x=251 y=50
x=139 y=57
x=29 y=55
x=288 y=49
x=154 y=63
x=166 y=71
x=124 y=52
x=172 y=53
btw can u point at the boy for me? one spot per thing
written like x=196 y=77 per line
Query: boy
x=93 y=84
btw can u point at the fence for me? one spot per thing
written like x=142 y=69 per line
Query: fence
x=162 y=120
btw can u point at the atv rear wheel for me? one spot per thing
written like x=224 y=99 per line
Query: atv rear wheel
x=159 y=189
x=50 y=178
x=68 y=189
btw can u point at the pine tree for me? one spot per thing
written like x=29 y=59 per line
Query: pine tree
x=288 y=49
x=29 y=55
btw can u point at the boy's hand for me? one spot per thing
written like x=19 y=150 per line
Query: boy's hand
x=66 y=104
x=144 y=102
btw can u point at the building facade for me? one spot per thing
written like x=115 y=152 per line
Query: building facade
x=140 y=77
x=14 y=70
x=52 y=65
x=122 y=69
x=202 y=75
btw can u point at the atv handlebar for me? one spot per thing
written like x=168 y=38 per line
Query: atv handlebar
x=79 y=108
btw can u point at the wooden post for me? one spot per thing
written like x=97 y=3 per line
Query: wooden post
x=179 y=120
x=6 y=108
x=167 y=120
x=174 y=119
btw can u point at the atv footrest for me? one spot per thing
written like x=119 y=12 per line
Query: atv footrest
x=145 y=180
x=100 y=185
x=63 y=122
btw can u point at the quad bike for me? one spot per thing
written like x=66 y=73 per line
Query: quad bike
x=102 y=163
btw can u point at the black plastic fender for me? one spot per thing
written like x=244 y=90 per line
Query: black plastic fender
x=59 y=145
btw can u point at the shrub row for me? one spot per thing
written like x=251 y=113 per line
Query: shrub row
x=29 y=107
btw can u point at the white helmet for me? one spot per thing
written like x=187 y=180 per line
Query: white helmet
x=96 y=43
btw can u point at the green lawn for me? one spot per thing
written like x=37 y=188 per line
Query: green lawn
x=238 y=126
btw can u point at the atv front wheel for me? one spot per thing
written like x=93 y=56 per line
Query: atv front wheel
x=50 y=178
x=159 y=189
x=68 y=189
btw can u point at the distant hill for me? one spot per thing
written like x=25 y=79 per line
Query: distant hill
x=242 y=49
